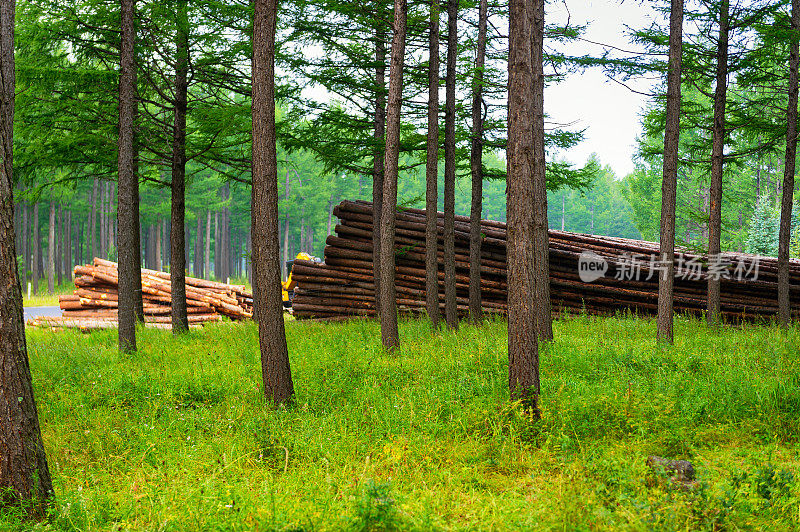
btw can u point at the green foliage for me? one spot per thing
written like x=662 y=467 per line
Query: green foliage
x=178 y=436
x=764 y=227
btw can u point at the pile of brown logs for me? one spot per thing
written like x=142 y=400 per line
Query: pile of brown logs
x=342 y=286
x=93 y=304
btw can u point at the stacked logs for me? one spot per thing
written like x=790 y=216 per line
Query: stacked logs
x=94 y=302
x=343 y=286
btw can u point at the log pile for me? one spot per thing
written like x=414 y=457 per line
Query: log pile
x=94 y=302
x=343 y=286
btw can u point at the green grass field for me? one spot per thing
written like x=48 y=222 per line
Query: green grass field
x=177 y=437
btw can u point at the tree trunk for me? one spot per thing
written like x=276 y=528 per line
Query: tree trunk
x=287 y=190
x=68 y=248
x=24 y=475
x=92 y=221
x=59 y=256
x=157 y=246
x=51 y=249
x=523 y=352
x=35 y=247
x=177 y=241
x=784 y=308
x=432 y=173
x=378 y=169
x=198 y=253
x=541 y=239
x=25 y=247
x=216 y=247
x=476 y=166
x=277 y=374
x=448 y=232
x=717 y=162
x=390 y=336
x=207 y=251
x=130 y=277
x=669 y=184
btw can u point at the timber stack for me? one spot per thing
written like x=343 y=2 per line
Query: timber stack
x=619 y=275
x=93 y=304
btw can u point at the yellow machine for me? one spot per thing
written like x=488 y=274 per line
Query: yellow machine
x=289 y=285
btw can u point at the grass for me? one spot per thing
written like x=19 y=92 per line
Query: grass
x=42 y=297
x=177 y=437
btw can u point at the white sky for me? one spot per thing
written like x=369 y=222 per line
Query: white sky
x=609 y=112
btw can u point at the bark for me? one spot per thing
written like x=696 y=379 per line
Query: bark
x=717 y=162
x=177 y=241
x=390 y=336
x=24 y=475
x=669 y=183
x=130 y=281
x=523 y=353
x=93 y=222
x=432 y=172
x=378 y=169
x=51 y=249
x=784 y=308
x=476 y=164
x=35 y=247
x=544 y=319
x=450 y=308
x=277 y=374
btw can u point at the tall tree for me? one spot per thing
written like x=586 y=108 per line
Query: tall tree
x=476 y=167
x=130 y=267
x=784 y=308
x=24 y=475
x=51 y=249
x=378 y=163
x=718 y=136
x=276 y=372
x=390 y=336
x=450 y=305
x=523 y=350
x=669 y=186
x=541 y=239
x=177 y=241
x=432 y=173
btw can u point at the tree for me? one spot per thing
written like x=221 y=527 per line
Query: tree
x=448 y=235
x=432 y=173
x=180 y=319
x=24 y=475
x=130 y=274
x=669 y=184
x=541 y=239
x=523 y=351
x=719 y=135
x=276 y=372
x=476 y=167
x=390 y=336
x=784 y=307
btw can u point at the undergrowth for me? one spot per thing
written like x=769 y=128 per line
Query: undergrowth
x=178 y=436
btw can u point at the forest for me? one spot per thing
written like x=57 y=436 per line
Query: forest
x=441 y=362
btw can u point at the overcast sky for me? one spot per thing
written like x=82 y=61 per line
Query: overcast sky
x=608 y=112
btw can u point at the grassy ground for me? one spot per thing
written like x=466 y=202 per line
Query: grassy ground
x=177 y=437
x=43 y=298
